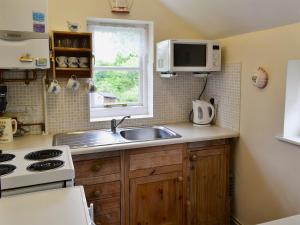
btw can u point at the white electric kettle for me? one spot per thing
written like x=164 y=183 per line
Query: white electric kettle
x=204 y=113
x=8 y=127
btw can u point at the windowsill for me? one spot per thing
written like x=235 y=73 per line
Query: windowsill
x=119 y=118
x=291 y=140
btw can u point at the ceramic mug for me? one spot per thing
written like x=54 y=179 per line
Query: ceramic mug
x=62 y=61
x=73 y=62
x=84 y=62
x=54 y=87
x=73 y=83
x=90 y=86
x=7 y=130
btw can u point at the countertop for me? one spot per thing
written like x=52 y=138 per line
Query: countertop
x=60 y=207
x=293 y=220
x=188 y=132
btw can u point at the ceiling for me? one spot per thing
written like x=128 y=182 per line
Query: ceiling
x=222 y=18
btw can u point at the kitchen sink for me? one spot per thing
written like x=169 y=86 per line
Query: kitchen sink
x=148 y=134
x=106 y=137
x=87 y=139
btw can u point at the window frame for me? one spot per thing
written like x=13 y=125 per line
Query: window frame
x=144 y=109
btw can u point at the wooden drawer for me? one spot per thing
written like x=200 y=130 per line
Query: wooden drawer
x=102 y=191
x=112 y=218
x=155 y=157
x=97 y=167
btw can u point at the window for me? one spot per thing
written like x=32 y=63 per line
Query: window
x=123 y=69
x=291 y=132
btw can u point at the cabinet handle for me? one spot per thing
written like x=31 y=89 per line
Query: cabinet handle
x=194 y=157
x=97 y=194
x=180 y=179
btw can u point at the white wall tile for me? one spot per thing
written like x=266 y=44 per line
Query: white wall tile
x=225 y=88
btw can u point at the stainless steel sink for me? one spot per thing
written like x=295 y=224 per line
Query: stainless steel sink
x=148 y=134
x=106 y=137
x=87 y=139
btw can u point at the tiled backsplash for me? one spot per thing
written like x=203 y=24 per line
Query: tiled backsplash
x=69 y=111
x=225 y=88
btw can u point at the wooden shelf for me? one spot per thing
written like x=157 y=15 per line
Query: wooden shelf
x=58 y=38
x=62 y=49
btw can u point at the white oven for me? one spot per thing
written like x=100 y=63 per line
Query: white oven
x=31 y=170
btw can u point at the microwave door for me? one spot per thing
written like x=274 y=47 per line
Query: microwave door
x=189 y=57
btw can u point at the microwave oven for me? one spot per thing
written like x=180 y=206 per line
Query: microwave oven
x=199 y=56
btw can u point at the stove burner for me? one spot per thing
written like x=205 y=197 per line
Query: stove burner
x=6 y=169
x=45 y=165
x=43 y=154
x=6 y=157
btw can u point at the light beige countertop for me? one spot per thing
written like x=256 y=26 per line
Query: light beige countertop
x=59 y=206
x=293 y=220
x=188 y=132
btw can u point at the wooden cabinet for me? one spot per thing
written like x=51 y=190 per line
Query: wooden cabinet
x=208 y=185
x=182 y=184
x=156 y=200
x=156 y=185
x=100 y=174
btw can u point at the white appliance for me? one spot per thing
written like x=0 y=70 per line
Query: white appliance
x=24 y=38
x=64 y=206
x=204 y=113
x=188 y=56
x=30 y=170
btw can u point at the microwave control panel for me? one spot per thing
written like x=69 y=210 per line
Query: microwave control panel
x=216 y=59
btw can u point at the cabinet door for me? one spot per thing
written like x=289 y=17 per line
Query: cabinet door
x=209 y=187
x=156 y=200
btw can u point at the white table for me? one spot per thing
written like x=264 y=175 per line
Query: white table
x=64 y=206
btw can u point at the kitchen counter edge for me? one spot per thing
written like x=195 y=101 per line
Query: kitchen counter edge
x=188 y=132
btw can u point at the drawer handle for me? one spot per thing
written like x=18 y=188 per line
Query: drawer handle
x=97 y=194
x=95 y=168
x=180 y=179
x=194 y=157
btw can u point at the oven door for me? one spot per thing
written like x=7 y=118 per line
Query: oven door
x=35 y=188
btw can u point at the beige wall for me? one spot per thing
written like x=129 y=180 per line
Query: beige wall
x=167 y=24
x=267 y=170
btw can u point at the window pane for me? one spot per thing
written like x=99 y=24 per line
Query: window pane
x=118 y=46
x=117 y=86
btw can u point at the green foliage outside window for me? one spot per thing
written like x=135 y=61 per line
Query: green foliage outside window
x=122 y=84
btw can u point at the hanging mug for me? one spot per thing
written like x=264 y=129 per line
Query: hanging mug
x=73 y=83
x=54 y=87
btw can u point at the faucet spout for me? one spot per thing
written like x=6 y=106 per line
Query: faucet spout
x=114 y=124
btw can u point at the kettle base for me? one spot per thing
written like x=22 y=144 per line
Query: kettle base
x=199 y=125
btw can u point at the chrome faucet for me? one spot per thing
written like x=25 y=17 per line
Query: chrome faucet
x=114 y=124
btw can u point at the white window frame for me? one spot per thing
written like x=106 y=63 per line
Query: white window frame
x=145 y=108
